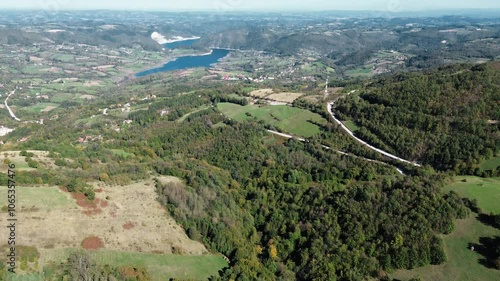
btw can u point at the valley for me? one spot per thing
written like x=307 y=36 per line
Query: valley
x=254 y=146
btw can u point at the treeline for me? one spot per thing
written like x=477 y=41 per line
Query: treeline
x=446 y=117
x=226 y=98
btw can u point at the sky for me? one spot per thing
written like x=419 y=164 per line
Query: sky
x=252 y=5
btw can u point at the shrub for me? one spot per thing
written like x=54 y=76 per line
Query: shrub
x=103 y=177
x=33 y=164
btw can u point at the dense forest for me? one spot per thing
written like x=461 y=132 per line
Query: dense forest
x=277 y=210
x=447 y=117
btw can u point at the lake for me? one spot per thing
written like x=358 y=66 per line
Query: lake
x=188 y=62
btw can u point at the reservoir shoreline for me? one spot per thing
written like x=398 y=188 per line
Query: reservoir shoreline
x=187 y=62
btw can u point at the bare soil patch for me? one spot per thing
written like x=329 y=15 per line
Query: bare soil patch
x=92 y=243
x=128 y=226
x=90 y=207
x=104 y=203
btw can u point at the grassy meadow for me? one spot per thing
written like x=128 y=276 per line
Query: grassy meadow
x=160 y=266
x=485 y=190
x=289 y=119
x=462 y=263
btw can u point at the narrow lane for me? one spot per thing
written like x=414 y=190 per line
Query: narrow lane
x=337 y=151
x=8 y=108
x=330 y=110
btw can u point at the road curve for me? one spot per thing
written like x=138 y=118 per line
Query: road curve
x=337 y=151
x=330 y=110
x=8 y=108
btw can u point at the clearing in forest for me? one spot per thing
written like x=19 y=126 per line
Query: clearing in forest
x=292 y=120
x=485 y=190
x=462 y=263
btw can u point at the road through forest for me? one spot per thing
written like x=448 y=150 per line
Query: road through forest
x=330 y=110
x=337 y=151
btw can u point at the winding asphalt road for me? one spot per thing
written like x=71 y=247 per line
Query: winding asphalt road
x=330 y=110
x=337 y=151
x=8 y=108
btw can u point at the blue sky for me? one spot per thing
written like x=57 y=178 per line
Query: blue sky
x=236 y=5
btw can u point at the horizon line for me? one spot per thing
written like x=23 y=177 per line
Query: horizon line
x=37 y=9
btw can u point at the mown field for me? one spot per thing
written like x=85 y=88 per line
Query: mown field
x=289 y=119
x=485 y=190
x=359 y=72
x=463 y=264
x=160 y=266
x=46 y=198
x=490 y=164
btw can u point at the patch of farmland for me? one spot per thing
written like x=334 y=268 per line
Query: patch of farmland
x=262 y=93
x=284 y=97
x=160 y=266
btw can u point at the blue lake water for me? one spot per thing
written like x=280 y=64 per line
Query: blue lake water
x=188 y=62
x=177 y=44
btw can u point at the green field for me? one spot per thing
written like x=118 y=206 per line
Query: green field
x=490 y=164
x=39 y=107
x=44 y=198
x=289 y=119
x=463 y=264
x=24 y=277
x=485 y=191
x=359 y=72
x=63 y=57
x=61 y=97
x=161 y=267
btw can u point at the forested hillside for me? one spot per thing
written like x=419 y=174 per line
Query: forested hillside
x=277 y=210
x=446 y=117
x=282 y=209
